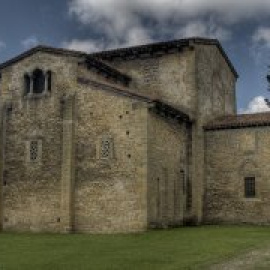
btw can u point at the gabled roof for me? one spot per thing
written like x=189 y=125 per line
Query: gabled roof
x=90 y=61
x=163 y=48
x=239 y=121
x=42 y=48
x=130 y=52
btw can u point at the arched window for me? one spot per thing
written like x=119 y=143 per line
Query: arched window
x=38 y=81
x=27 y=84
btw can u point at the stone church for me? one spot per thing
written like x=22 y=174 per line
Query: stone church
x=129 y=139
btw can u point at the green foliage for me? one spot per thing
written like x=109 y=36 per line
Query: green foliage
x=184 y=248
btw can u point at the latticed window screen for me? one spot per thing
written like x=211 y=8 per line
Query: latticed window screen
x=106 y=147
x=34 y=150
x=250 y=189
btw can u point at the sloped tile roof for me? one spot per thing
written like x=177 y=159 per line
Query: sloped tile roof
x=239 y=121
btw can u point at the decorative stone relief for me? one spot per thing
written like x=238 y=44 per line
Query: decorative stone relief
x=34 y=147
x=34 y=151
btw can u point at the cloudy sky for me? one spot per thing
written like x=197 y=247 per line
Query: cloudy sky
x=243 y=28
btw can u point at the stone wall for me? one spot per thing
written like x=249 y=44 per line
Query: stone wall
x=232 y=155
x=215 y=84
x=60 y=192
x=110 y=191
x=31 y=190
x=167 y=171
x=108 y=164
x=169 y=77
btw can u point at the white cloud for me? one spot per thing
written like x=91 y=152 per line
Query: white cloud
x=134 y=37
x=29 y=42
x=88 y=45
x=203 y=29
x=256 y=105
x=2 y=45
x=262 y=36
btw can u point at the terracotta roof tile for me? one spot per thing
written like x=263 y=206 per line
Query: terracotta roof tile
x=239 y=121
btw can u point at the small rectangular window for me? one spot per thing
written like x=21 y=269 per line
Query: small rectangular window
x=250 y=189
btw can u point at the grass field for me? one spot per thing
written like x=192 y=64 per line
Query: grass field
x=183 y=248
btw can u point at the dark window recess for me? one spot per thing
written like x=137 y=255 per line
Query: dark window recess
x=27 y=83
x=188 y=194
x=182 y=175
x=9 y=109
x=38 y=81
x=49 y=78
x=250 y=189
x=158 y=199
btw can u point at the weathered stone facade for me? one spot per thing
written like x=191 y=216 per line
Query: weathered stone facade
x=120 y=141
x=234 y=153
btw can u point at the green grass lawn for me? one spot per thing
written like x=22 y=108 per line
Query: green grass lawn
x=183 y=248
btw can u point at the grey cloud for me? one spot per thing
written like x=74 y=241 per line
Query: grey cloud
x=260 y=48
x=124 y=23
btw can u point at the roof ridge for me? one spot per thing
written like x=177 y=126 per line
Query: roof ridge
x=177 y=43
x=90 y=60
x=41 y=48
